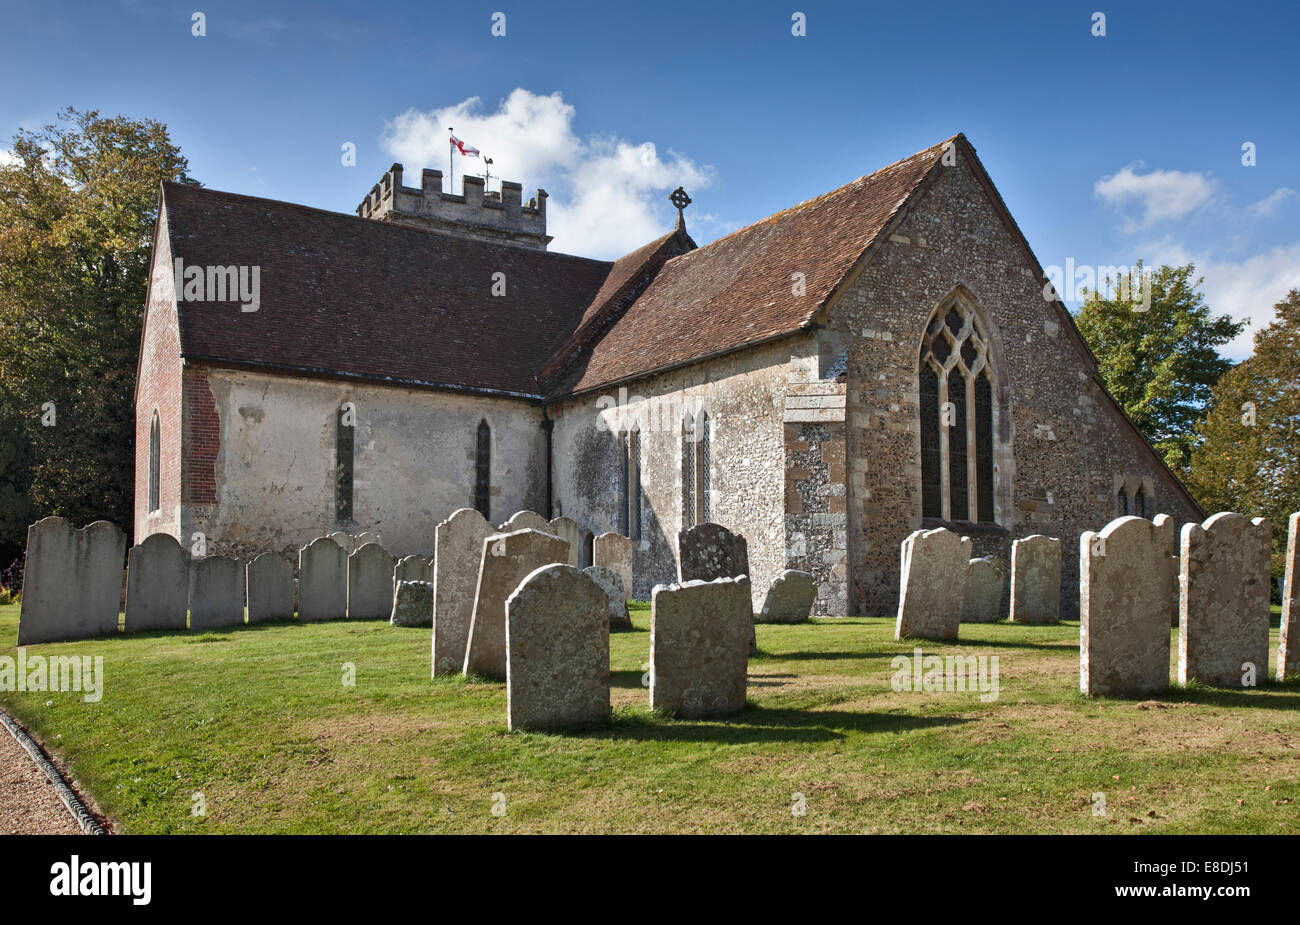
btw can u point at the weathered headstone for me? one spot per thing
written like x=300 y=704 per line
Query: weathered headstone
x=985 y=578
x=932 y=586
x=557 y=645
x=699 y=647
x=790 y=598
x=370 y=583
x=1125 y=577
x=507 y=559
x=1288 y=647
x=709 y=551
x=216 y=592
x=322 y=581
x=526 y=520
x=269 y=581
x=569 y=531
x=1036 y=580
x=412 y=604
x=362 y=539
x=412 y=568
x=343 y=539
x=615 y=551
x=459 y=552
x=157 y=585
x=1224 y=604
x=612 y=584
x=72 y=583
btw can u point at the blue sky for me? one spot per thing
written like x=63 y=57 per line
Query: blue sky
x=1107 y=149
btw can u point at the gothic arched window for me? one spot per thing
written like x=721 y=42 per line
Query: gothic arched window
x=695 y=469
x=155 y=459
x=483 y=470
x=344 y=447
x=956 y=406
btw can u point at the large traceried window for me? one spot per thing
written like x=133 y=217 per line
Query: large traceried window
x=956 y=406
x=155 y=460
x=695 y=469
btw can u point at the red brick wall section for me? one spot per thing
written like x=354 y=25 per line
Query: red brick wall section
x=202 y=430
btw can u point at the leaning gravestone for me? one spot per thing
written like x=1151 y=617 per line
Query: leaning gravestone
x=789 y=599
x=1036 y=580
x=709 y=551
x=615 y=551
x=370 y=583
x=699 y=647
x=932 y=586
x=612 y=584
x=557 y=651
x=412 y=568
x=526 y=520
x=322 y=581
x=1125 y=577
x=1224 y=605
x=985 y=578
x=507 y=559
x=412 y=604
x=569 y=531
x=72 y=583
x=269 y=580
x=459 y=552
x=1288 y=647
x=157 y=585
x=216 y=592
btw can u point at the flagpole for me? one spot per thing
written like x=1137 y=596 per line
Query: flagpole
x=451 y=167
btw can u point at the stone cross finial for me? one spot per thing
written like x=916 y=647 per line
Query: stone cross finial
x=679 y=198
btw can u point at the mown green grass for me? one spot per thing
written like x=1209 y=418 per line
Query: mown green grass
x=258 y=720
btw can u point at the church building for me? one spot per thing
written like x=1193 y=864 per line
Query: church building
x=876 y=360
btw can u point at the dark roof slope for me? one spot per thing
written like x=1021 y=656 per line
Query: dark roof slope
x=341 y=295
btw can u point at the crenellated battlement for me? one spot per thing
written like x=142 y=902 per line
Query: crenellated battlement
x=487 y=215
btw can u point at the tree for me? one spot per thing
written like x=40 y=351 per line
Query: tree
x=1247 y=454
x=77 y=211
x=1160 y=363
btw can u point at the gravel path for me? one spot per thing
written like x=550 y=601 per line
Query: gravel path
x=29 y=805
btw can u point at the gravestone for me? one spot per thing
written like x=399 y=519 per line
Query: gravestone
x=412 y=604
x=412 y=568
x=985 y=578
x=557 y=645
x=699 y=647
x=362 y=539
x=1288 y=647
x=72 y=583
x=1036 y=580
x=507 y=559
x=932 y=586
x=526 y=520
x=709 y=551
x=790 y=598
x=269 y=582
x=370 y=583
x=568 y=531
x=322 y=581
x=616 y=552
x=216 y=592
x=1125 y=577
x=459 y=544
x=343 y=539
x=157 y=585
x=1223 y=619
x=612 y=584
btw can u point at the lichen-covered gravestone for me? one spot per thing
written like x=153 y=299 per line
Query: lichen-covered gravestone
x=932 y=586
x=412 y=604
x=1288 y=647
x=459 y=552
x=322 y=581
x=72 y=582
x=1224 y=604
x=985 y=579
x=370 y=583
x=699 y=647
x=569 y=531
x=157 y=585
x=507 y=559
x=411 y=568
x=1125 y=577
x=612 y=584
x=269 y=580
x=557 y=651
x=1036 y=580
x=526 y=520
x=709 y=551
x=790 y=598
x=216 y=592
x=616 y=552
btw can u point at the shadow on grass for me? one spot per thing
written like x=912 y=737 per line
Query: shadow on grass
x=758 y=725
x=818 y=656
x=1269 y=697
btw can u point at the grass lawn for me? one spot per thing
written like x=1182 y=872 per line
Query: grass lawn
x=259 y=721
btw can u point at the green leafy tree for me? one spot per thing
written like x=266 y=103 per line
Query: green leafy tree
x=77 y=208
x=1160 y=363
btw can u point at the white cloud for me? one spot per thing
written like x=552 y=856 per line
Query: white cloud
x=607 y=194
x=8 y=158
x=1271 y=203
x=1163 y=195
